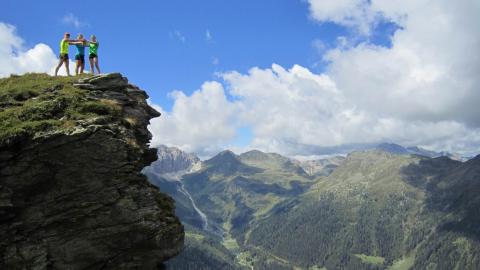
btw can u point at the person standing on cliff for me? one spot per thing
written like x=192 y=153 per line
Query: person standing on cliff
x=64 y=44
x=93 y=54
x=80 y=56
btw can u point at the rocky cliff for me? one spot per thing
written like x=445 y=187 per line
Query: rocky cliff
x=172 y=159
x=71 y=192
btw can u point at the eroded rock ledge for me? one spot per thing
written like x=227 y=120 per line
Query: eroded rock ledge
x=74 y=197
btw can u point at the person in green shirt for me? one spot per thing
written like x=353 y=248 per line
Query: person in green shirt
x=93 y=54
x=64 y=44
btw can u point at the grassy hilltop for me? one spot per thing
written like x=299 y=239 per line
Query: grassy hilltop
x=33 y=104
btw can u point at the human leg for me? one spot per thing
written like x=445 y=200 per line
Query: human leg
x=60 y=63
x=97 y=65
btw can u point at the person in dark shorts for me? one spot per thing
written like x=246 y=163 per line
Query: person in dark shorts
x=93 y=54
x=64 y=44
x=80 y=56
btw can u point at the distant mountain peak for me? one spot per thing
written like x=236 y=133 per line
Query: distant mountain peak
x=227 y=162
x=224 y=156
x=227 y=153
x=254 y=154
x=392 y=148
x=172 y=159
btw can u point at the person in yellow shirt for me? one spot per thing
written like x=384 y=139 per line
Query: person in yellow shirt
x=64 y=44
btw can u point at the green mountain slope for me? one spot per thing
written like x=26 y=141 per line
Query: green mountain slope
x=379 y=210
x=234 y=191
x=203 y=252
x=376 y=210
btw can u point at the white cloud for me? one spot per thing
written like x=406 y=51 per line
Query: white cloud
x=16 y=59
x=289 y=110
x=202 y=122
x=353 y=13
x=430 y=73
x=296 y=107
x=423 y=90
x=71 y=19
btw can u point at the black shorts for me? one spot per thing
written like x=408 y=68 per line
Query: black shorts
x=92 y=55
x=64 y=56
x=81 y=58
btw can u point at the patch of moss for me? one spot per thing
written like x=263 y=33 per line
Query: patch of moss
x=95 y=108
x=34 y=103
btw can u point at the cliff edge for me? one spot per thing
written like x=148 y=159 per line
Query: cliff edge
x=71 y=192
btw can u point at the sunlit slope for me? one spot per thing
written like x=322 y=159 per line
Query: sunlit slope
x=235 y=190
x=377 y=210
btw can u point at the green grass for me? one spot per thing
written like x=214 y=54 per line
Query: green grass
x=195 y=239
x=462 y=243
x=317 y=268
x=403 y=264
x=196 y=236
x=373 y=260
x=34 y=103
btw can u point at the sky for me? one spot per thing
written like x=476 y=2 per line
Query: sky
x=279 y=76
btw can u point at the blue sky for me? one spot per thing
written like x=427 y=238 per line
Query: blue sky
x=144 y=40
x=276 y=75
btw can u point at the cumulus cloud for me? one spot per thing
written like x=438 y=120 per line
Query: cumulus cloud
x=423 y=90
x=289 y=108
x=352 y=13
x=202 y=122
x=291 y=111
x=429 y=73
x=16 y=59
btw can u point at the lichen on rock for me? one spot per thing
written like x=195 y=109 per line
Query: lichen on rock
x=71 y=192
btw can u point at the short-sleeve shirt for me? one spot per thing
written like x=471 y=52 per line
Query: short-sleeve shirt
x=93 y=48
x=64 y=46
x=80 y=49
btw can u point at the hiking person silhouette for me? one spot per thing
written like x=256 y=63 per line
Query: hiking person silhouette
x=64 y=44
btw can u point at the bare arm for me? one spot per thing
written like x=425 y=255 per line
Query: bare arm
x=72 y=41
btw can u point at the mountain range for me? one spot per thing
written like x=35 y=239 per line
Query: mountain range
x=386 y=208
x=345 y=149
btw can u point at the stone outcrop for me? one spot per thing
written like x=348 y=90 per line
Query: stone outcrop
x=75 y=198
x=172 y=159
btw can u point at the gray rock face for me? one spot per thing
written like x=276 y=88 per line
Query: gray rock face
x=172 y=159
x=103 y=82
x=77 y=200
